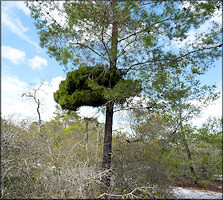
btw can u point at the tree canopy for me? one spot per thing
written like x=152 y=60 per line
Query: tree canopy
x=136 y=34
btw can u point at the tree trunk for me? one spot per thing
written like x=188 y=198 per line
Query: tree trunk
x=106 y=163
x=190 y=158
x=187 y=149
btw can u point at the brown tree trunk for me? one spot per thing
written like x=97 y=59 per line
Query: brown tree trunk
x=106 y=163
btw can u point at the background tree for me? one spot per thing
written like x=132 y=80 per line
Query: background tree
x=131 y=35
x=34 y=96
x=206 y=155
x=177 y=94
x=209 y=163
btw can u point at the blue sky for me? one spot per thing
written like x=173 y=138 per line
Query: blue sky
x=24 y=62
x=19 y=32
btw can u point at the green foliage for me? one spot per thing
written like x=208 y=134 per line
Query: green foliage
x=75 y=91
x=94 y=86
x=210 y=131
x=123 y=90
x=72 y=129
x=175 y=89
x=75 y=132
x=206 y=149
x=84 y=34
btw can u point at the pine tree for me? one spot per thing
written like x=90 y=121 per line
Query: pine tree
x=127 y=35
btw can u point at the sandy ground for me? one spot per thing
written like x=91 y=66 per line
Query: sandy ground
x=183 y=193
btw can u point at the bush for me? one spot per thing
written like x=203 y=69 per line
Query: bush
x=138 y=164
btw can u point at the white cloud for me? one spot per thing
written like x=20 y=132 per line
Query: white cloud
x=12 y=88
x=217 y=18
x=5 y=68
x=11 y=21
x=55 y=82
x=14 y=103
x=14 y=55
x=17 y=56
x=37 y=62
x=91 y=112
x=14 y=25
x=20 y=5
x=46 y=97
x=119 y=119
x=214 y=110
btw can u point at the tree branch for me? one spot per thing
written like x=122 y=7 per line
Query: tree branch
x=83 y=45
x=173 y=59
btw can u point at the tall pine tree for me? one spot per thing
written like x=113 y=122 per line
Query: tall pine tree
x=127 y=35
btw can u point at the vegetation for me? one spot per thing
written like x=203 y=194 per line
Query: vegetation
x=139 y=170
x=114 y=51
x=124 y=35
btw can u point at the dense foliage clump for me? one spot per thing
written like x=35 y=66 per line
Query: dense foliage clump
x=94 y=86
